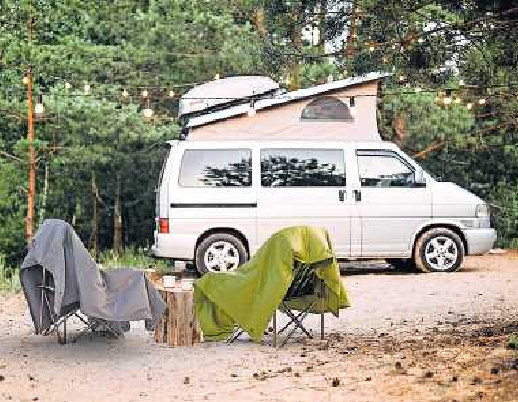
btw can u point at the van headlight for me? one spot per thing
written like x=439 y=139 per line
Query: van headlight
x=482 y=211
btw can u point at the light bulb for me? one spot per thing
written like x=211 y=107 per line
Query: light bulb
x=482 y=101
x=216 y=77
x=145 y=93
x=420 y=40
x=39 y=109
x=458 y=101
x=125 y=93
x=371 y=48
x=171 y=93
x=402 y=78
x=461 y=83
x=469 y=106
x=393 y=47
x=148 y=112
x=447 y=100
x=67 y=85
x=25 y=80
x=87 y=89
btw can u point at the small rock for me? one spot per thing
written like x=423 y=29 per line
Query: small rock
x=309 y=368
x=2 y=378
x=455 y=378
x=398 y=365
x=495 y=370
x=476 y=380
x=297 y=374
x=233 y=375
x=302 y=355
x=186 y=380
x=335 y=382
x=368 y=379
x=30 y=377
x=255 y=375
x=35 y=398
x=428 y=374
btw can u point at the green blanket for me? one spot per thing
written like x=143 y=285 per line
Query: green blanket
x=250 y=295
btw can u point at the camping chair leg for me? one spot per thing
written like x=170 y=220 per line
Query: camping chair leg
x=296 y=321
x=321 y=297
x=275 y=328
x=237 y=333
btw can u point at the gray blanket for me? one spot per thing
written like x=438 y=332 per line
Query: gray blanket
x=118 y=295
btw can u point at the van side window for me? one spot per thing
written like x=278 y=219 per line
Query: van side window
x=302 y=168
x=384 y=169
x=216 y=168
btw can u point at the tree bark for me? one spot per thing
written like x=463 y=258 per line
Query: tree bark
x=351 y=37
x=322 y=27
x=95 y=218
x=117 y=216
x=258 y=19
x=43 y=208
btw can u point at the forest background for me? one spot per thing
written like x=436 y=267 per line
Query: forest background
x=451 y=102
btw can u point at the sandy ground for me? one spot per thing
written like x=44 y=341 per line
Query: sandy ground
x=408 y=337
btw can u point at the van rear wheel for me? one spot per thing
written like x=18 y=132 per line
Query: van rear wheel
x=439 y=250
x=220 y=252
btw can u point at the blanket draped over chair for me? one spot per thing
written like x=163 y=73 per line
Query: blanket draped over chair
x=249 y=296
x=118 y=295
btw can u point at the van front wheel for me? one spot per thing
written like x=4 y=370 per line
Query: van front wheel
x=439 y=250
x=220 y=252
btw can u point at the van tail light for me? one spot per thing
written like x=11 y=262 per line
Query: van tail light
x=163 y=225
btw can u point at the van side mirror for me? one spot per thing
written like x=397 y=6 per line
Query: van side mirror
x=420 y=179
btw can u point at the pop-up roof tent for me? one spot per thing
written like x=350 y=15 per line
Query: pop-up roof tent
x=254 y=108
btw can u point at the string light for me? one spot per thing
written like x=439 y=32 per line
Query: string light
x=148 y=112
x=447 y=98
x=25 y=80
x=420 y=40
x=458 y=101
x=469 y=105
x=216 y=77
x=171 y=93
x=87 y=88
x=371 y=48
x=39 y=109
x=145 y=93
x=418 y=89
x=461 y=83
x=352 y=106
x=125 y=93
x=67 y=85
x=482 y=101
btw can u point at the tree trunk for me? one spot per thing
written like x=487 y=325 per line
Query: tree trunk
x=322 y=27
x=95 y=218
x=295 y=65
x=258 y=19
x=117 y=217
x=43 y=208
x=351 y=37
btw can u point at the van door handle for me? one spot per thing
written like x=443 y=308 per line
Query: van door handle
x=341 y=195
x=357 y=195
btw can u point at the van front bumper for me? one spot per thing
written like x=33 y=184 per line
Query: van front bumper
x=480 y=241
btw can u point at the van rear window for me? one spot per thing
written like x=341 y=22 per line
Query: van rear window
x=302 y=168
x=216 y=168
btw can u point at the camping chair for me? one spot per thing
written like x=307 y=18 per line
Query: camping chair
x=49 y=322
x=305 y=283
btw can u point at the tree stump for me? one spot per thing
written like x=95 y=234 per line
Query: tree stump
x=178 y=326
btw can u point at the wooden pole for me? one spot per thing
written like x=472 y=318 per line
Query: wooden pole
x=31 y=192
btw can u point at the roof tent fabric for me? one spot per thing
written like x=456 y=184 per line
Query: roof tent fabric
x=117 y=295
x=224 y=90
x=250 y=295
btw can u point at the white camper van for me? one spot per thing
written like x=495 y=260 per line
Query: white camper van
x=218 y=201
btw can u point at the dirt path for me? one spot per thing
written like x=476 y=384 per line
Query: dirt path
x=435 y=337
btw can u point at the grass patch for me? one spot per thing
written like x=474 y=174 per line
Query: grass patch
x=513 y=342
x=137 y=258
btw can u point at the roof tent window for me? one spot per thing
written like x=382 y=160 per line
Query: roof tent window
x=326 y=108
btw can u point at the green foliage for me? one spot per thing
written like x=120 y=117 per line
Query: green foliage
x=131 y=258
x=9 y=278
